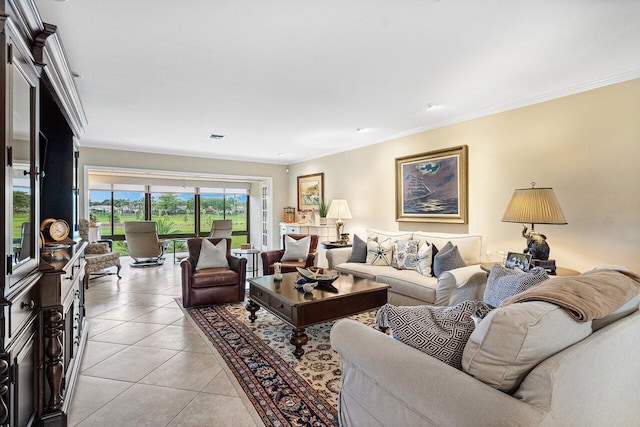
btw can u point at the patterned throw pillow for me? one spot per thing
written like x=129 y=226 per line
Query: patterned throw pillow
x=441 y=332
x=379 y=253
x=447 y=258
x=424 y=259
x=504 y=282
x=405 y=253
x=358 y=250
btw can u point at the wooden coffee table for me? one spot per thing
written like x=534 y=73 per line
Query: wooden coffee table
x=301 y=310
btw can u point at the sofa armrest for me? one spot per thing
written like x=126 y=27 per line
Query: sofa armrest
x=461 y=284
x=337 y=256
x=394 y=384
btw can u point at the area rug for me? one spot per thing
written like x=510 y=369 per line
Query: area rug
x=283 y=389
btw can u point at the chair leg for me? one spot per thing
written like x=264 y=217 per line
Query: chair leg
x=118 y=271
x=86 y=280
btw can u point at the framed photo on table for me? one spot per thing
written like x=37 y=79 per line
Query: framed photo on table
x=433 y=187
x=518 y=260
x=310 y=191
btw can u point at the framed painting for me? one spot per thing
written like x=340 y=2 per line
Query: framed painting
x=433 y=187
x=310 y=191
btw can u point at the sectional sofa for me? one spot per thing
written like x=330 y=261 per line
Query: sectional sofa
x=409 y=287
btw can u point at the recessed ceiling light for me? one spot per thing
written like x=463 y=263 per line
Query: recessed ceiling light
x=432 y=106
x=281 y=154
x=216 y=136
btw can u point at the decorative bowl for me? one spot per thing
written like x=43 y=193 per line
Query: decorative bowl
x=317 y=276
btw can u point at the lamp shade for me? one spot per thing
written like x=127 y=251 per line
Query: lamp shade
x=534 y=206
x=339 y=209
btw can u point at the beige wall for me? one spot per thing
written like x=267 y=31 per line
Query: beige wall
x=585 y=146
x=162 y=162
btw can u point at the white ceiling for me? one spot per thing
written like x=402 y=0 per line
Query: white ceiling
x=290 y=80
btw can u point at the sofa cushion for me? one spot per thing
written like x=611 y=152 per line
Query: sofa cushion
x=424 y=259
x=447 y=258
x=358 y=250
x=440 y=332
x=379 y=252
x=393 y=235
x=405 y=253
x=504 y=282
x=296 y=249
x=360 y=270
x=212 y=277
x=512 y=340
x=212 y=256
x=471 y=246
x=408 y=282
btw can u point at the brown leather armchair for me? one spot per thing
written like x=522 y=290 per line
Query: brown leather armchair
x=212 y=285
x=271 y=257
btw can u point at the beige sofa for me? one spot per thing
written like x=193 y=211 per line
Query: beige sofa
x=592 y=382
x=408 y=287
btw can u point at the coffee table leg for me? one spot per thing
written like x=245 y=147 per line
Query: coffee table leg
x=298 y=338
x=252 y=307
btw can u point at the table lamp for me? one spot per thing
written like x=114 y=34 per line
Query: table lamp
x=534 y=206
x=339 y=210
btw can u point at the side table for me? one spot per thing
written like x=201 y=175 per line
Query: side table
x=560 y=271
x=253 y=269
x=334 y=245
x=174 y=242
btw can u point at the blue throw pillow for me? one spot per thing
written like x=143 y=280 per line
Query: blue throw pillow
x=358 y=250
x=447 y=258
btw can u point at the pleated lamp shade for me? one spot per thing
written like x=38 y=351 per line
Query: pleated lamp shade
x=534 y=206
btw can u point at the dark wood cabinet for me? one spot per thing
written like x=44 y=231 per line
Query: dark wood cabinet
x=42 y=326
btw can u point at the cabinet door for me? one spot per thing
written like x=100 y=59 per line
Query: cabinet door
x=21 y=169
x=24 y=384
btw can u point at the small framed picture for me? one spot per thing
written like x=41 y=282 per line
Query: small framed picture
x=518 y=260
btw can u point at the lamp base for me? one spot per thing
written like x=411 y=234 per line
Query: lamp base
x=547 y=264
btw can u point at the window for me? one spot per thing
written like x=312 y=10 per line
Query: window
x=225 y=203
x=174 y=208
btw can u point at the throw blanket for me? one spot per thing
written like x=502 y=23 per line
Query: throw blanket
x=591 y=295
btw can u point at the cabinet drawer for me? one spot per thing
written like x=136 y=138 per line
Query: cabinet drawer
x=22 y=308
x=71 y=276
x=282 y=307
x=259 y=297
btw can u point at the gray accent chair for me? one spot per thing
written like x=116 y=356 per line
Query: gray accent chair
x=143 y=243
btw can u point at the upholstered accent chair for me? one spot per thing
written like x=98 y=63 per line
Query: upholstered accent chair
x=215 y=285
x=98 y=255
x=221 y=229
x=143 y=243
x=288 y=266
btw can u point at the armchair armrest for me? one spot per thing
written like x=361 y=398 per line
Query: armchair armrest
x=311 y=260
x=380 y=381
x=461 y=284
x=268 y=258
x=237 y=264
x=337 y=256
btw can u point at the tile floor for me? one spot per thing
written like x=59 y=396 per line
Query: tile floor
x=145 y=364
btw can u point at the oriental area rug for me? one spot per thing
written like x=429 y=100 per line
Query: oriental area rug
x=283 y=390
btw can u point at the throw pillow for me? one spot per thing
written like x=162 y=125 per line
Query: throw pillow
x=296 y=250
x=424 y=259
x=405 y=254
x=512 y=340
x=358 y=250
x=447 y=259
x=212 y=256
x=441 y=332
x=504 y=282
x=379 y=253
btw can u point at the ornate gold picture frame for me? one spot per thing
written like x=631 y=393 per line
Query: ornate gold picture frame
x=310 y=191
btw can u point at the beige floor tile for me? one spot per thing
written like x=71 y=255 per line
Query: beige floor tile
x=125 y=312
x=161 y=315
x=131 y=364
x=96 y=352
x=187 y=371
x=183 y=321
x=96 y=308
x=221 y=385
x=128 y=333
x=198 y=347
x=144 y=299
x=171 y=337
x=214 y=410
x=98 y=326
x=142 y=405
x=92 y=394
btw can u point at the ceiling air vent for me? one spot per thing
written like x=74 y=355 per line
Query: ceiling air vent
x=216 y=136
